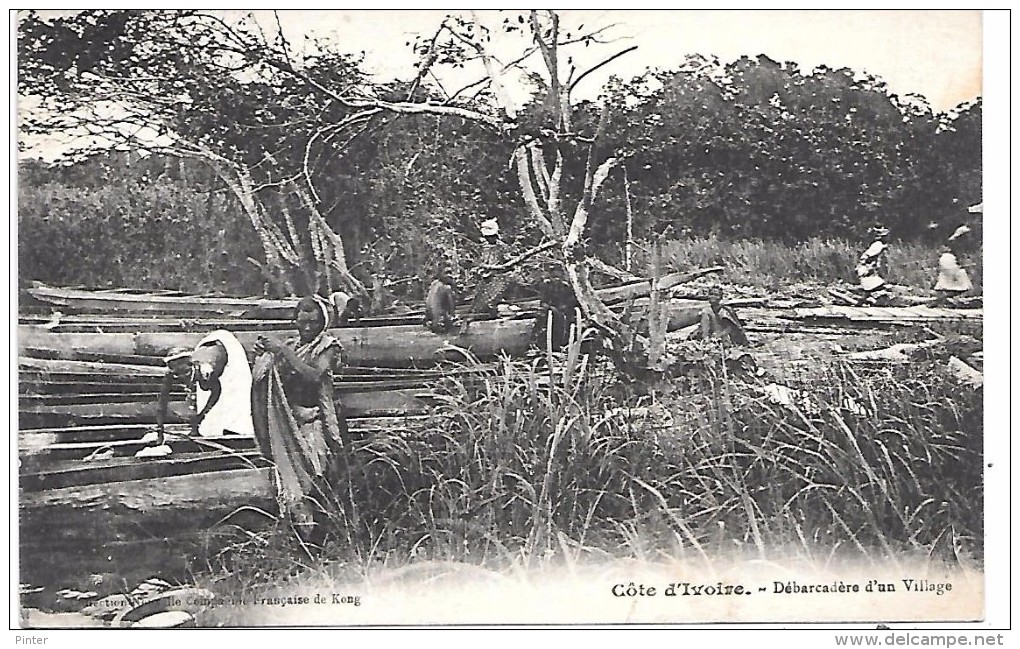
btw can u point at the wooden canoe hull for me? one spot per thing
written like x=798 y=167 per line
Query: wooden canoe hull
x=129 y=301
x=356 y=404
x=382 y=346
x=387 y=346
x=147 y=302
x=125 y=511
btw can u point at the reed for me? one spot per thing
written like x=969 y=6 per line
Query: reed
x=552 y=461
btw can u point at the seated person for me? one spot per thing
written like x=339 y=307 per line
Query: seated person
x=441 y=300
x=953 y=280
x=871 y=264
x=720 y=322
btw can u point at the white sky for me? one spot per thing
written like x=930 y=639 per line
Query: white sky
x=936 y=54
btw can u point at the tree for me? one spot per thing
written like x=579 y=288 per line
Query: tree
x=186 y=84
x=764 y=149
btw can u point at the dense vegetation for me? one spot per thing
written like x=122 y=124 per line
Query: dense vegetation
x=753 y=148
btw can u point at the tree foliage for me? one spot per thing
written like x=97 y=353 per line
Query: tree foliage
x=400 y=170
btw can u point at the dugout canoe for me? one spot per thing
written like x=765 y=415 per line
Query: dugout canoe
x=102 y=323
x=33 y=368
x=131 y=302
x=184 y=500
x=139 y=301
x=66 y=500
x=887 y=315
x=68 y=393
x=380 y=346
x=387 y=346
x=43 y=411
x=106 y=453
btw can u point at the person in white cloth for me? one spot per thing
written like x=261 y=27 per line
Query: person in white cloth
x=953 y=280
x=218 y=377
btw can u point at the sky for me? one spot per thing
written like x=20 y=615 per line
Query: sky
x=937 y=54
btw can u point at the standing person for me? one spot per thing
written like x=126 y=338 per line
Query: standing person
x=298 y=424
x=872 y=262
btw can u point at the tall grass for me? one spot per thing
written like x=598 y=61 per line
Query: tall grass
x=774 y=265
x=523 y=470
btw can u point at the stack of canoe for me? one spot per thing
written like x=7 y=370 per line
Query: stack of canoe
x=90 y=367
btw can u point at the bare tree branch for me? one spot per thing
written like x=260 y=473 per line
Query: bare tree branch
x=548 y=245
x=599 y=65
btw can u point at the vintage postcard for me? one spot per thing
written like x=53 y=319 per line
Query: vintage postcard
x=525 y=317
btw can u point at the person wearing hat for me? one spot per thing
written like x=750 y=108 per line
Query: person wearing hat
x=869 y=267
x=492 y=284
x=720 y=322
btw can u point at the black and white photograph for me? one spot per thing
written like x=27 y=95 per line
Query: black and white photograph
x=525 y=317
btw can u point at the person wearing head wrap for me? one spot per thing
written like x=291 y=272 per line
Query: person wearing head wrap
x=492 y=284
x=217 y=378
x=953 y=280
x=298 y=424
x=869 y=267
x=720 y=322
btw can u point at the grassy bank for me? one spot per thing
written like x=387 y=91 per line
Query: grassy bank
x=773 y=265
x=524 y=475
x=194 y=242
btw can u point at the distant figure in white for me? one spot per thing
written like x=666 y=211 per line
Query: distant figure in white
x=345 y=308
x=217 y=376
x=872 y=262
x=953 y=280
